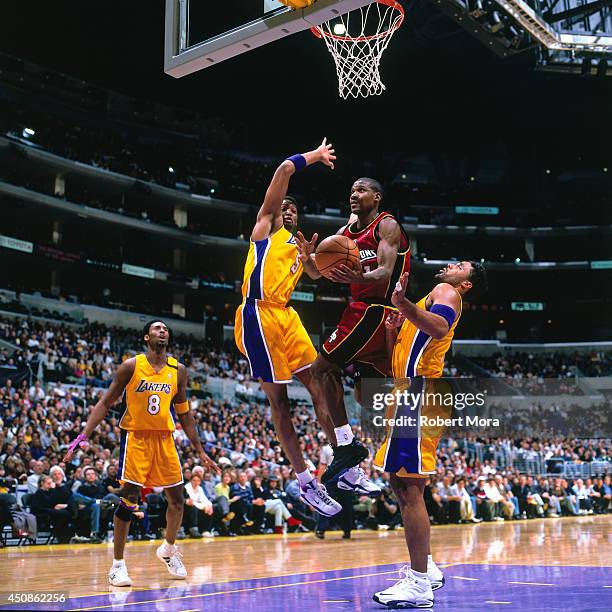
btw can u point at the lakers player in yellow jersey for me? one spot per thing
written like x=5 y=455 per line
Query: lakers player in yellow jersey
x=152 y=384
x=426 y=330
x=267 y=331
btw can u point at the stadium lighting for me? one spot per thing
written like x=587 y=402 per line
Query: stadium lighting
x=472 y=178
x=547 y=171
x=212 y=191
x=605 y=169
x=27 y=132
x=538 y=28
x=517 y=260
x=171 y=169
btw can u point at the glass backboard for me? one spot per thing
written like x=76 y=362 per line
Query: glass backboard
x=199 y=35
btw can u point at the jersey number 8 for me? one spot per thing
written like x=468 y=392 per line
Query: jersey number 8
x=153 y=407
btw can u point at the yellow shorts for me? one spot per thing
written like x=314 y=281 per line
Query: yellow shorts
x=273 y=339
x=409 y=448
x=149 y=459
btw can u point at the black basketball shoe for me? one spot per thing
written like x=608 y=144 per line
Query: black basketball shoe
x=345 y=457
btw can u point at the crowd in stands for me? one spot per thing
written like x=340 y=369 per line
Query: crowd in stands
x=488 y=478
x=89 y=355
x=257 y=491
x=542 y=373
x=520 y=365
x=505 y=496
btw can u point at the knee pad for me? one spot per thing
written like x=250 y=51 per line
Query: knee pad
x=125 y=509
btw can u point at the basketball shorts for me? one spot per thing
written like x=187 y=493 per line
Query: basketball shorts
x=273 y=339
x=149 y=459
x=409 y=446
x=360 y=337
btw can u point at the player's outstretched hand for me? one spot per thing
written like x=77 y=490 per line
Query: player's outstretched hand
x=399 y=293
x=327 y=153
x=305 y=247
x=344 y=274
x=209 y=463
x=394 y=319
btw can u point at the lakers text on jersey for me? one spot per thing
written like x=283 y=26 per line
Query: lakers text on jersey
x=148 y=456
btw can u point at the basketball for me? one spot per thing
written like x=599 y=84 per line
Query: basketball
x=334 y=251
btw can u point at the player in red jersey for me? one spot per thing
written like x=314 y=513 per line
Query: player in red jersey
x=359 y=337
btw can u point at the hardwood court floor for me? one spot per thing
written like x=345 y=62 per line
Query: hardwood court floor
x=515 y=565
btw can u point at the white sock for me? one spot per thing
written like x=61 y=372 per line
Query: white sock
x=429 y=559
x=420 y=575
x=305 y=477
x=169 y=547
x=118 y=562
x=344 y=435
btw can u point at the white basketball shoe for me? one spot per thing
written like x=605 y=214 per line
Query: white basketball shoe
x=407 y=592
x=173 y=561
x=118 y=575
x=355 y=479
x=315 y=494
x=436 y=577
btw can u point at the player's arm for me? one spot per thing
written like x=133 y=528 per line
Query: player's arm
x=306 y=249
x=181 y=406
x=311 y=269
x=436 y=321
x=269 y=215
x=388 y=246
x=98 y=413
x=393 y=322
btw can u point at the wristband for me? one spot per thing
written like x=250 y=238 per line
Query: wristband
x=182 y=407
x=80 y=441
x=299 y=161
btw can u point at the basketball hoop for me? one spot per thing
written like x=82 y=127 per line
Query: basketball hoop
x=357 y=41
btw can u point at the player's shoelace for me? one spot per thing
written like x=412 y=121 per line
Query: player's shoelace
x=175 y=560
x=406 y=577
x=321 y=493
x=360 y=474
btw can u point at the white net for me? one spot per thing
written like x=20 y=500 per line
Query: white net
x=357 y=41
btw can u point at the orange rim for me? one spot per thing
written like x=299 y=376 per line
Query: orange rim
x=319 y=33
